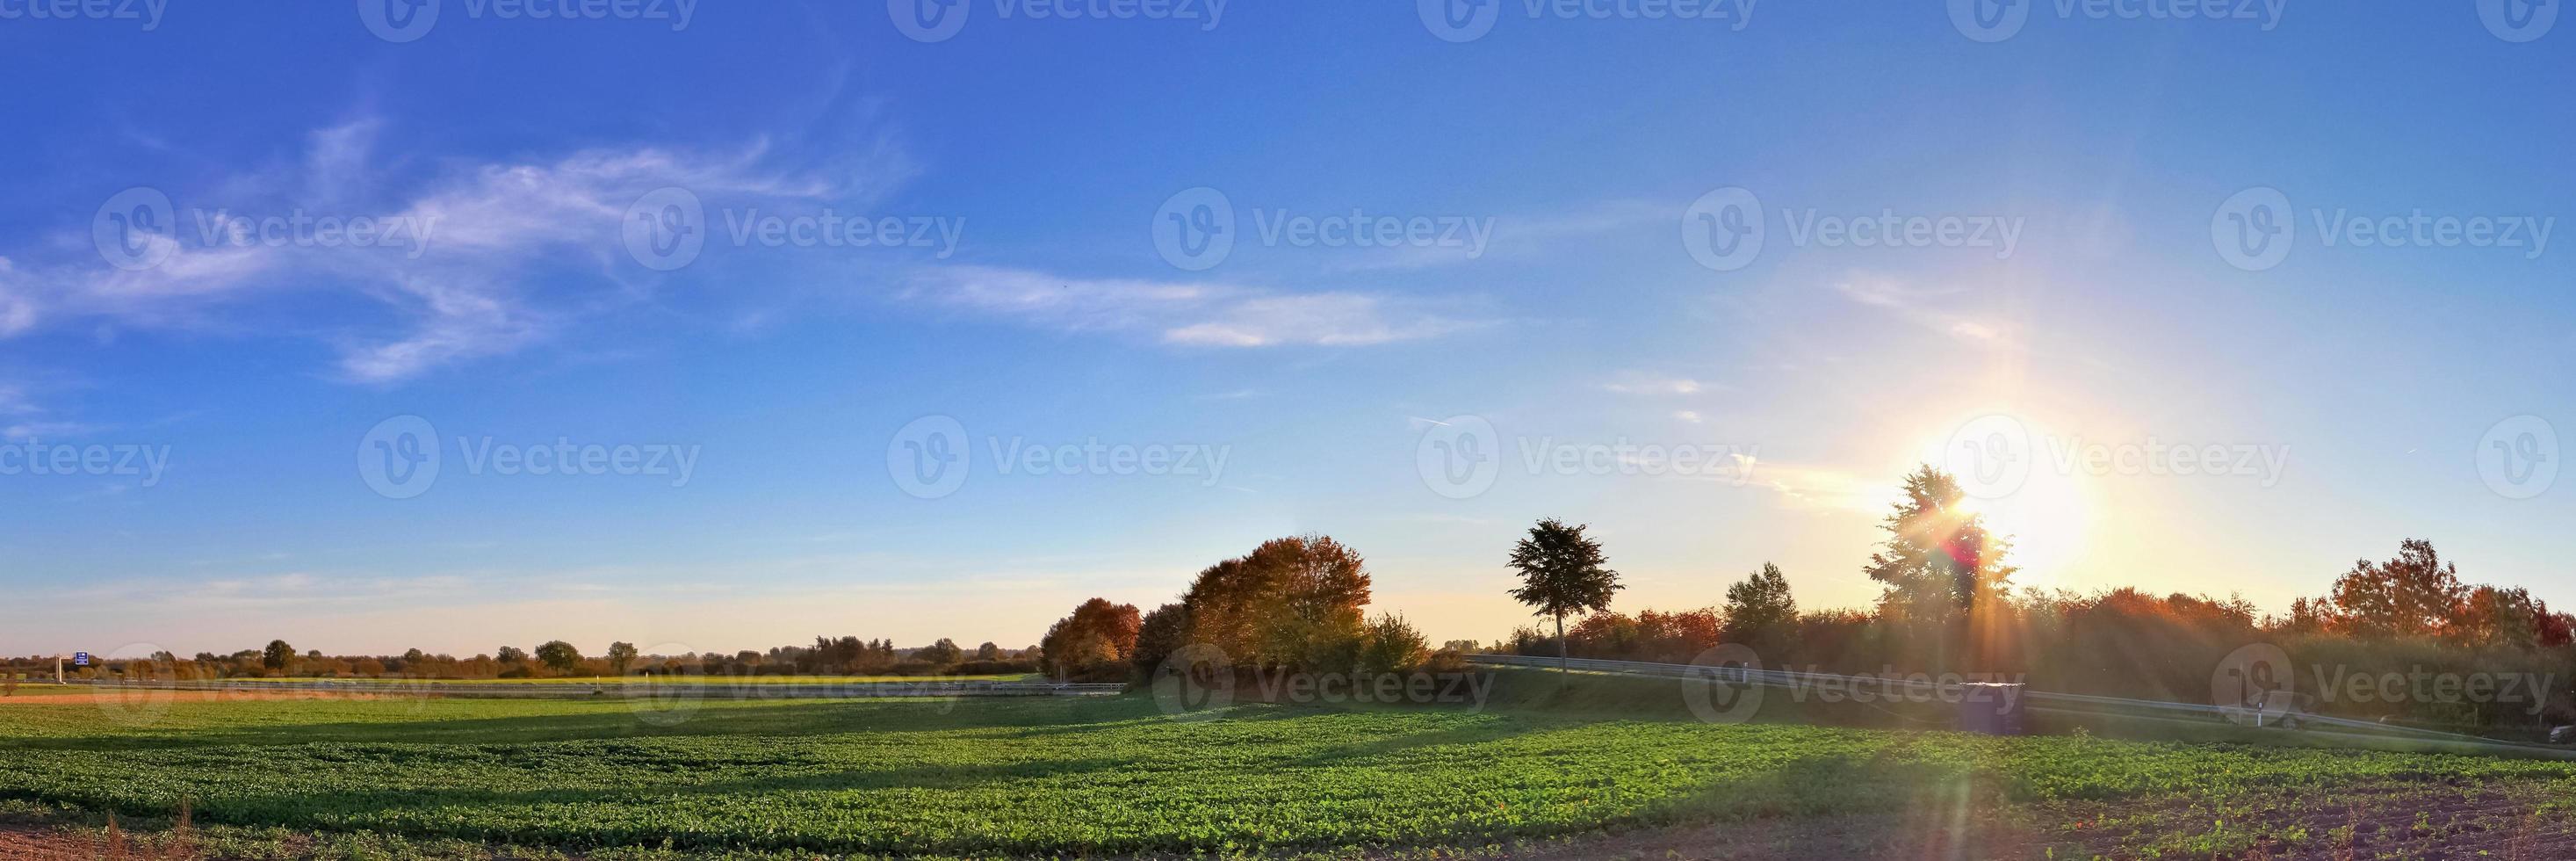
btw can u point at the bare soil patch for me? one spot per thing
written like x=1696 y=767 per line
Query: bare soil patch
x=2435 y=822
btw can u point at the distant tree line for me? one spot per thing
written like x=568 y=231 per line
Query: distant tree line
x=560 y=659
x=1946 y=605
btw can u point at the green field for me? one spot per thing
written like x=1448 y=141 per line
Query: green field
x=659 y=679
x=1051 y=776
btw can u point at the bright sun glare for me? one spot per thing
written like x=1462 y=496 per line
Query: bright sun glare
x=2048 y=514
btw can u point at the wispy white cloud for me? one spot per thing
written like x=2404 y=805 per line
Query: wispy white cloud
x=1204 y=314
x=43 y=429
x=335 y=163
x=1818 y=488
x=480 y=273
x=17 y=300
x=1928 y=308
x=1639 y=383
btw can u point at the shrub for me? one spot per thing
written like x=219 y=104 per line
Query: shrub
x=1392 y=645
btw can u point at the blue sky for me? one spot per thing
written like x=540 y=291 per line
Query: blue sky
x=1528 y=188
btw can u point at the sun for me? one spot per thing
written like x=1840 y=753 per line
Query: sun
x=2049 y=521
x=2046 y=511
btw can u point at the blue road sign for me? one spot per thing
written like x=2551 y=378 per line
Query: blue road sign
x=80 y=659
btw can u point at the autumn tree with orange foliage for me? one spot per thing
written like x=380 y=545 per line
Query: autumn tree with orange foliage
x=1292 y=603
x=1094 y=644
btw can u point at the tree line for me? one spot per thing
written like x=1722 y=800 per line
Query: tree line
x=1947 y=604
x=560 y=659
